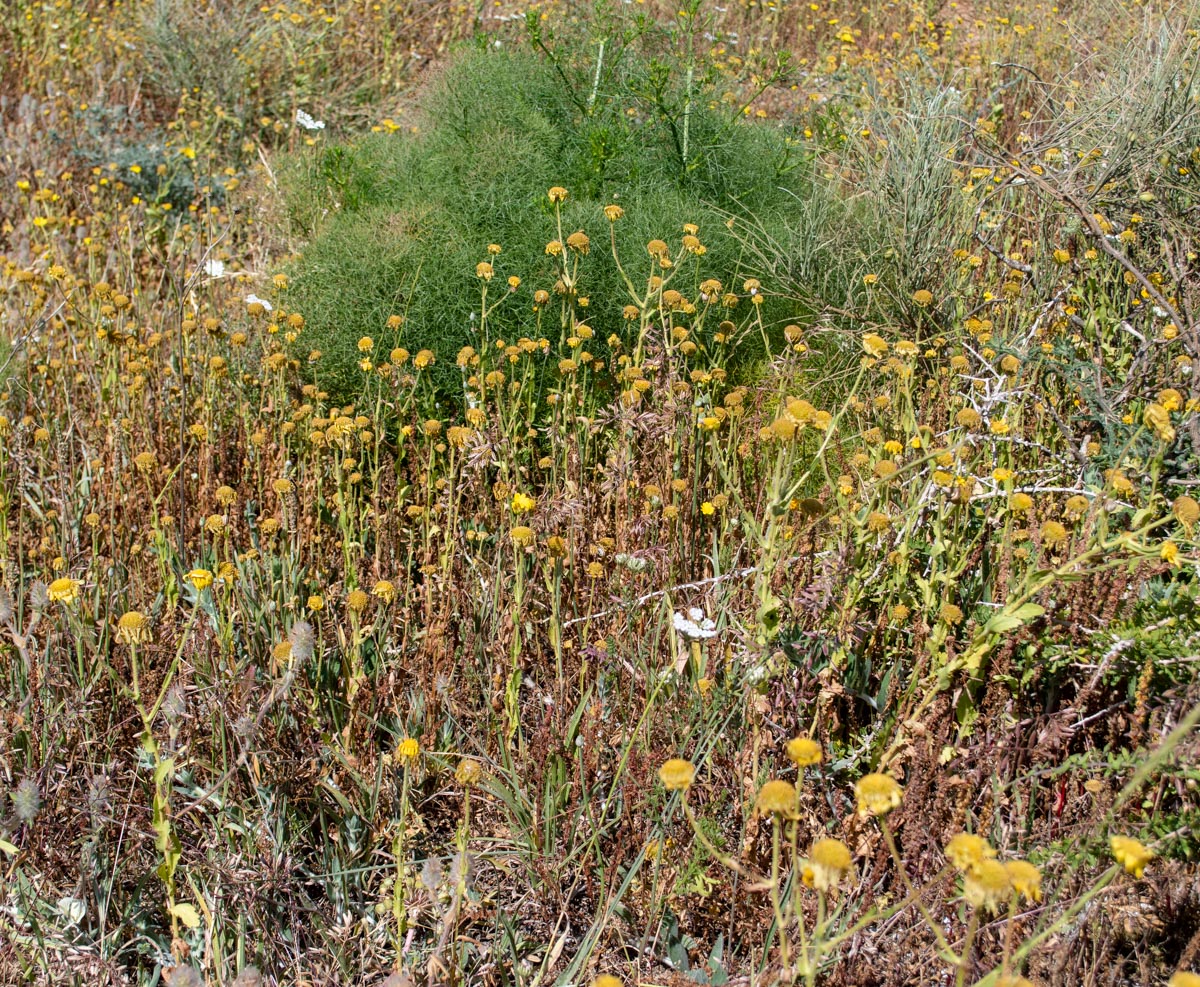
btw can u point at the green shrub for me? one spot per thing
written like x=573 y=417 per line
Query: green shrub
x=398 y=223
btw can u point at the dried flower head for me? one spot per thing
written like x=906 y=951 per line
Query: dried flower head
x=468 y=772
x=26 y=800
x=302 y=640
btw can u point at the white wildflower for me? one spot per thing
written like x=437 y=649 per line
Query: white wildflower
x=307 y=122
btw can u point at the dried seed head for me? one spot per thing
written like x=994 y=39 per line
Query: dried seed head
x=249 y=977
x=302 y=639
x=27 y=800
x=39 y=596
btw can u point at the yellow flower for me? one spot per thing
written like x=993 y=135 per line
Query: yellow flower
x=874 y=344
x=1053 y=533
x=966 y=850
x=1020 y=502
x=315 y=603
x=777 y=796
x=877 y=794
x=677 y=774
x=133 y=628
x=612 y=213
x=522 y=503
x=1158 y=420
x=1184 y=979
x=64 y=590
x=557 y=194
x=201 y=579
x=1186 y=511
x=607 y=979
x=1025 y=879
x=829 y=861
x=408 y=749
x=804 y=751
x=1169 y=553
x=522 y=536
x=384 y=591
x=1131 y=854
x=986 y=886
x=923 y=297
x=357 y=600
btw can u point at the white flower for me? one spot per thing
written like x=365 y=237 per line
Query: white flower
x=252 y=298
x=307 y=122
x=214 y=268
x=695 y=625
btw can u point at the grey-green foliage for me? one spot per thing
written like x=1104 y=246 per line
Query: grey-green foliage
x=398 y=222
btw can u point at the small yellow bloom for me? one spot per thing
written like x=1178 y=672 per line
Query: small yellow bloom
x=384 y=590
x=1131 y=854
x=829 y=861
x=877 y=794
x=804 y=752
x=201 y=579
x=1025 y=879
x=522 y=503
x=408 y=749
x=966 y=850
x=133 y=628
x=777 y=796
x=677 y=774
x=986 y=886
x=1184 y=979
x=64 y=590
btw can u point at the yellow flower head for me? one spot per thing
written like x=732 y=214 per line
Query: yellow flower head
x=804 y=751
x=357 y=600
x=133 y=628
x=408 y=749
x=384 y=590
x=557 y=194
x=1025 y=879
x=1184 y=979
x=522 y=536
x=986 y=886
x=677 y=774
x=1186 y=511
x=966 y=850
x=829 y=861
x=201 y=579
x=64 y=590
x=606 y=979
x=777 y=796
x=522 y=503
x=1131 y=854
x=877 y=794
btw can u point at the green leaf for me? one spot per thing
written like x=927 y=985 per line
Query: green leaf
x=8 y=848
